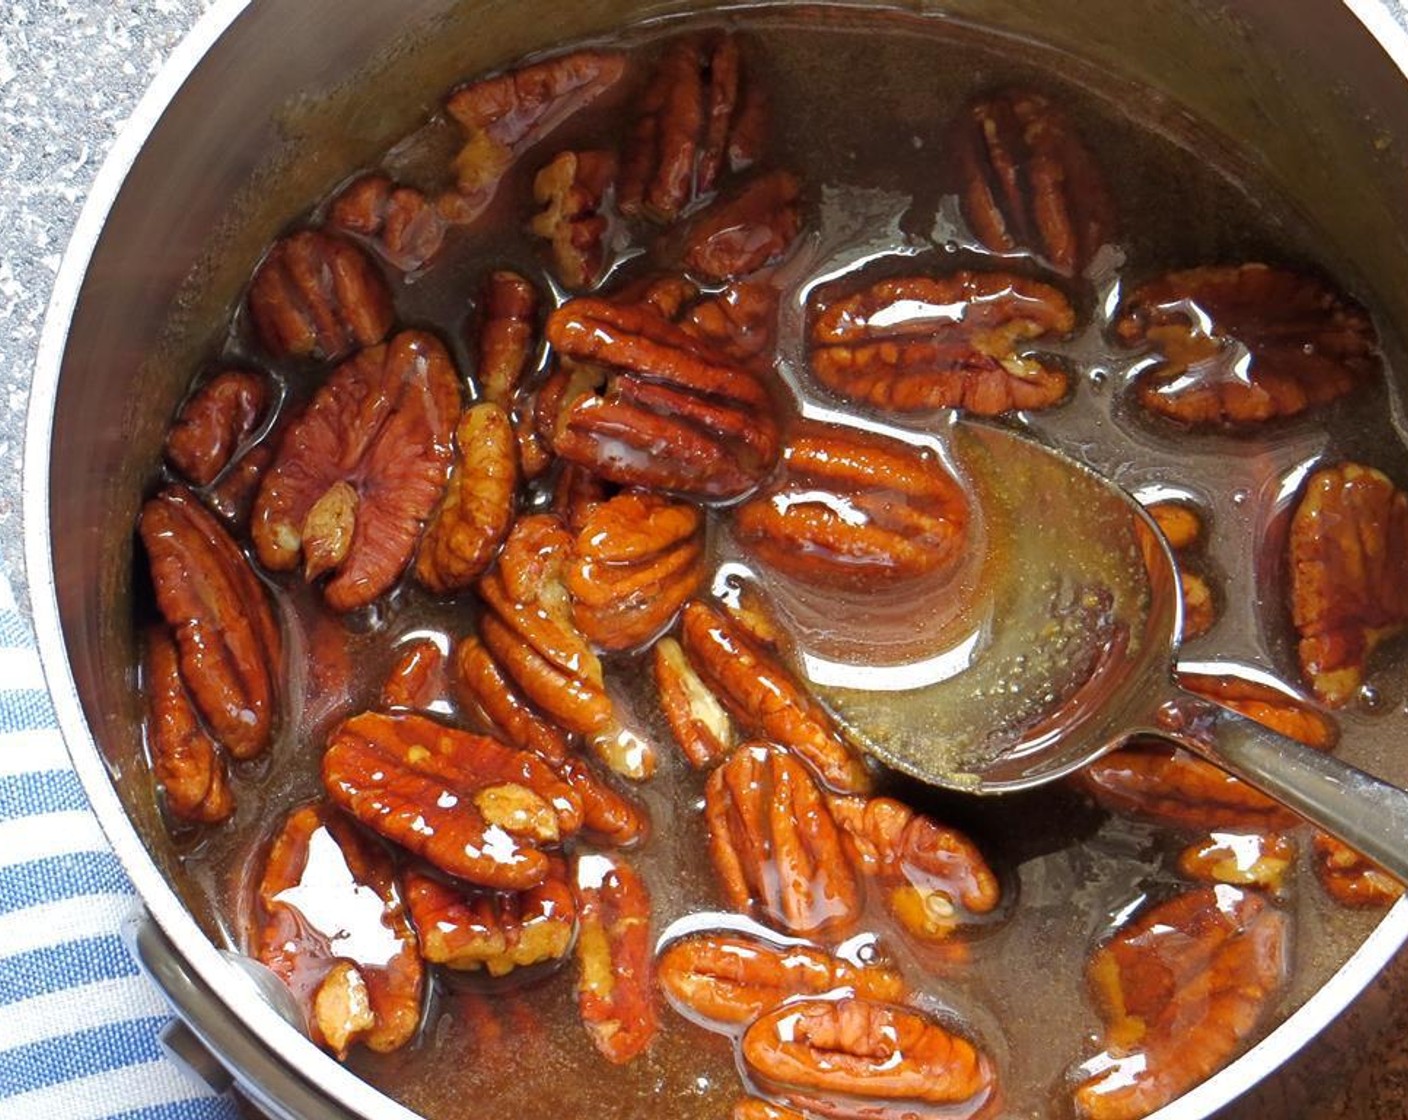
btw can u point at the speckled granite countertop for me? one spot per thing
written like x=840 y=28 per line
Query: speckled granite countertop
x=70 y=73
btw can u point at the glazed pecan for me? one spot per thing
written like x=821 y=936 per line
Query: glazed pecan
x=571 y=190
x=505 y=115
x=641 y=402
x=636 y=559
x=332 y=926
x=1252 y=859
x=774 y=844
x=470 y=929
x=764 y=698
x=362 y=468
x=1180 y=524
x=214 y=421
x=1241 y=345
x=529 y=630
x=400 y=223
x=698 y=721
x=697 y=112
x=726 y=979
x=481 y=681
x=608 y=816
x=417 y=678
x=185 y=760
x=616 y=983
x=1349 y=878
x=231 y=650
x=506 y=335
x=934 y=879
x=478 y=507
x=1029 y=182
x=1179 y=989
x=318 y=296
x=466 y=803
x=1348 y=559
x=858 y=1057
x=855 y=510
x=746 y=231
x=953 y=341
x=1199 y=605
x=1166 y=784
x=739 y=322
x=1277 y=708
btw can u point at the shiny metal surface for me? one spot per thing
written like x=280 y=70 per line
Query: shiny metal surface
x=238 y=130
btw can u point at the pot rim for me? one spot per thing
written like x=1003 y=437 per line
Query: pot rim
x=290 y=1052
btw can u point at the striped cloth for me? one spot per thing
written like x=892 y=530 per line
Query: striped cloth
x=78 y=1022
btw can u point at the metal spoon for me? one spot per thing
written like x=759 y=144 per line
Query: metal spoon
x=1058 y=645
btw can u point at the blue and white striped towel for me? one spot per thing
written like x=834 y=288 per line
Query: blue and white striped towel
x=78 y=1022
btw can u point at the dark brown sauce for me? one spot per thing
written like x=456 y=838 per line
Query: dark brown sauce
x=868 y=153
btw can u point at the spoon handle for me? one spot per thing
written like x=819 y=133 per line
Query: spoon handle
x=1367 y=813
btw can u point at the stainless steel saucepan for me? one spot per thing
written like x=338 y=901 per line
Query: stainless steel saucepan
x=267 y=104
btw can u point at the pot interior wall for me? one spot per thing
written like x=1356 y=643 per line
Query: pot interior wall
x=282 y=108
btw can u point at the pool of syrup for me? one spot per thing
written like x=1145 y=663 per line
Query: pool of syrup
x=870 y=152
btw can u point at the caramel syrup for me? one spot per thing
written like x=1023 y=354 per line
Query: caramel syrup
x=868 y=151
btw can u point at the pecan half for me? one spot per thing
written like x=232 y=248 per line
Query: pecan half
x=506 y=335
x=934 y=878
x=1167 y=784
x=637 y=558
x=954 y=341
x=616 y=984
x=698 y=721
x=820 y=1052
x=1170 y=786
x=746 y=231
x=739 y=322
x=764 y=698
x=471 y=929
x=1348 y=556
x=1277 y=708
x=1242 y=345
x=380 y=426
x=214 y=421
x=318 y=296
x=503 y=116
x=1029 y=182
x=482 y=682
x=185 y=760
x=1179 y=522
x=332 y=927
x=1349 y=878
x=642 y=402
x=608 y=816
x=696 y=112
x=417 y=678
x=1179 y=990
x=231 y=651
x=1253 y=859
x=466 y=803
x=572 y=190
x=725 y=979
x=855 y=510
x=528 y=628
x=478 y=507
x=774 y=844
x=403 y=226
